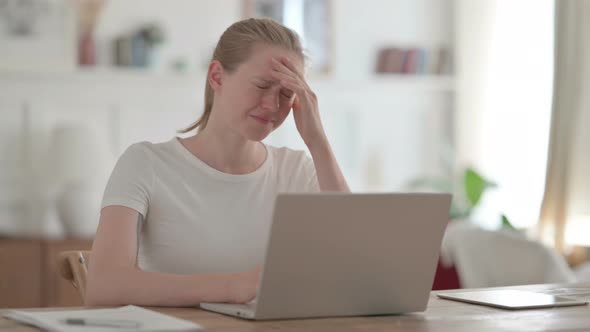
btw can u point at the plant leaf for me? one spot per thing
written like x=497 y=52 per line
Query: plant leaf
x=475 y=185
x=506 y=223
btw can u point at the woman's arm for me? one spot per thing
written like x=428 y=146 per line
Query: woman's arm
x=115 y=279
x=307 y=120
x=329 y=175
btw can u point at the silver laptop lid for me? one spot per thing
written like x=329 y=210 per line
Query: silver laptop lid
x=342 y=254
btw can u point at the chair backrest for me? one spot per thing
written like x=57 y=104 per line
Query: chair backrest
x=73 y=266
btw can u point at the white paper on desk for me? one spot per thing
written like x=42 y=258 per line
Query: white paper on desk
x=150 y=320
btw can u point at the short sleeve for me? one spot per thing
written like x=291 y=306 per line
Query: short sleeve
x=298 y=172
x=131 y=181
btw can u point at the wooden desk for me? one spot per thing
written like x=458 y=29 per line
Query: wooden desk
x=441 y=315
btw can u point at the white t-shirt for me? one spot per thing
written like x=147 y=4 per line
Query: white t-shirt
x=196 y=218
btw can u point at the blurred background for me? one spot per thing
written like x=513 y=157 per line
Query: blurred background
x=452 y=95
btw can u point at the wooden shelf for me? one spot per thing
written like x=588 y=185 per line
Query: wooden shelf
x=144 y=79
x=137 y=88
x=102 y=78
x=99 y=86
x=391 y=81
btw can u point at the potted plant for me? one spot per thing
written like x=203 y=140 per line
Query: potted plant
x=467 y=188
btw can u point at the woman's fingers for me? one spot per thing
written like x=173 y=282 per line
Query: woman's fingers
x=287 y=63
x=294 y=83
x=281 y=68
x=294 y=86
x=280 y=75
x=286 y=67
x=289 y=82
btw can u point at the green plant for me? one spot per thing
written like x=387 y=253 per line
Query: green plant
x=468 y=188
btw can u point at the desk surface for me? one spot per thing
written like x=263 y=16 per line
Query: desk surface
x=441 y=315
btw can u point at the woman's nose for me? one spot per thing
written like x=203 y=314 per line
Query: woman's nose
x=270 y=101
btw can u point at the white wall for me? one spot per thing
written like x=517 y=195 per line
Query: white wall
x=384 y=131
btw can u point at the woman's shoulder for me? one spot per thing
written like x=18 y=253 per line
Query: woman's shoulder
x=139 y=146
x=137 y=156
x=138 y=160
x=285 y=152
x=137 y=152
x=145 y=149
x=287 y=156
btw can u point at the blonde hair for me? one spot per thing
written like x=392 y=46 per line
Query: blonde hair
x=235 y=46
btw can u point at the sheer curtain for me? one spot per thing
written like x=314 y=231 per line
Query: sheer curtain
x=504 y=81
x=565 y=213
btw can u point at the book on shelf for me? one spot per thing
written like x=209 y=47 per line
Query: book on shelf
x=410 y=61
x=391 y=60
x=414 y=61
x=444 y=63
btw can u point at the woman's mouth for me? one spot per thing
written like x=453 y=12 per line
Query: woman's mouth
x=262 y=120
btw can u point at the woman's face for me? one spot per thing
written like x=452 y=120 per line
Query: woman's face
x=252 y=103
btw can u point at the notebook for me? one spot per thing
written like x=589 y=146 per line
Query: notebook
x=128 y=318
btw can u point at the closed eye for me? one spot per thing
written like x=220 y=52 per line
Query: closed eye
x=286 y=94
x=265 y=86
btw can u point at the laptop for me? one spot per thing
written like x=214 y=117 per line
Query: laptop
x=342 y=254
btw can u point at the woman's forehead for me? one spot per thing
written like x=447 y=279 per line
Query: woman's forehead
x=262 y=55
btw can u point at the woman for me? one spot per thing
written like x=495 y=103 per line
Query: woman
x=186 y=221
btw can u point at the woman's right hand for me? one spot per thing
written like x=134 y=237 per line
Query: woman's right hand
x=243 y=286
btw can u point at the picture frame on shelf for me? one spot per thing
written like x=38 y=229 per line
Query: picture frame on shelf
x=38 y=35
x=310 y=19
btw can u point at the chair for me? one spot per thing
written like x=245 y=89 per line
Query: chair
x=486 y=258
x=73 y=266
x=446 y=277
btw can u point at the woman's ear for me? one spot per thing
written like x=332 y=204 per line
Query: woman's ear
x=215 y=74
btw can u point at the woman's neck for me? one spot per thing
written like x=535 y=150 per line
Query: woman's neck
x=226 y=152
